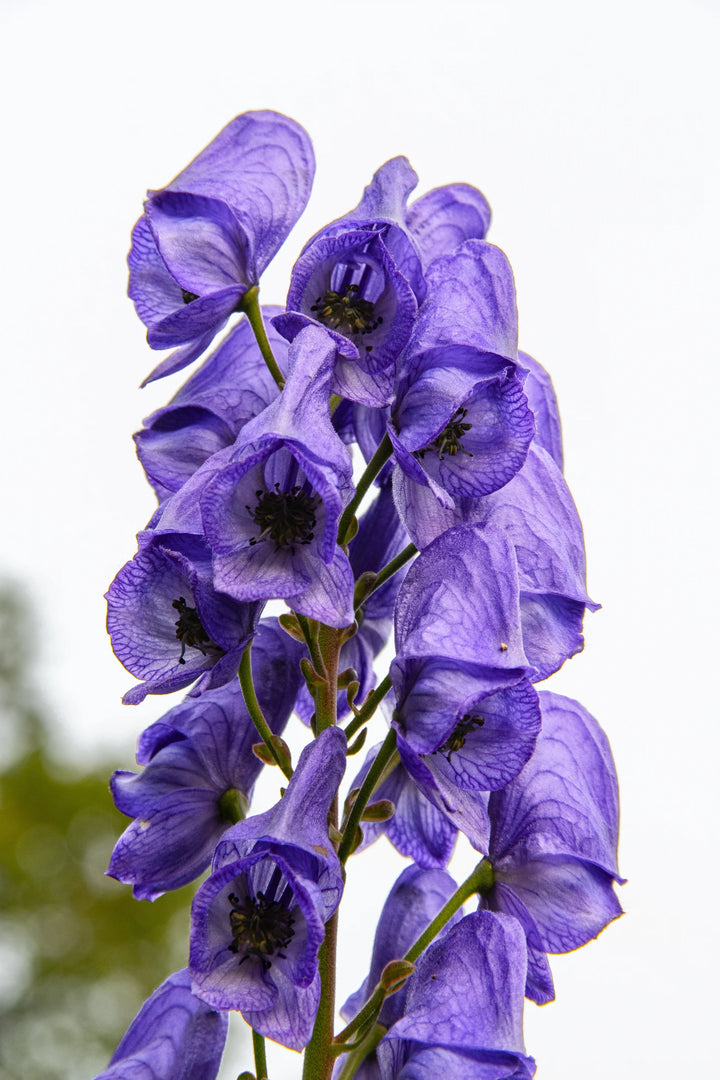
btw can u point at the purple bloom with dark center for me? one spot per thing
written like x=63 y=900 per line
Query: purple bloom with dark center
x=537 y=515
x=167 y=623
x=175 y=1036
x=361 y=278
x=206 y=238
x=460 y=424
x=199 y=772
x=553 y=841
x=463 y=1015
x=232 y=385
x=460 y=673
x=258 y=920
x=271 y=513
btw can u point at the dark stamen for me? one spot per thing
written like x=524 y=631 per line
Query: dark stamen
x=191 y=632
x=457 y=738
x=285 y=517
x=449 y=441
x=260 y=927
x=347 y=313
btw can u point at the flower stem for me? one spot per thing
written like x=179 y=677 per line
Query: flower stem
x=253 y=707
x=363 y=796
x=259 y=1051
x=319 y=1058
x=250 y=304
x=369 y=706
x=374 y=466
x=480 y=881
x=356 y=1057
x=366 y=588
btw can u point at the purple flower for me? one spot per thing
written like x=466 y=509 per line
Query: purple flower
x=175 y=1036
x=445 y=218
x=463 y=1016
x=460 y=424
x=460 y=674
x=199 y=772
x=543 y=403
x=361 y=278
x=206 y=238
x=271 y=513
x=537 y=515
x=167 y=623
x=258 y=920
x=553 y=844
x=207 y=414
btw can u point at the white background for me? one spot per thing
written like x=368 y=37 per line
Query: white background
x=592 y=130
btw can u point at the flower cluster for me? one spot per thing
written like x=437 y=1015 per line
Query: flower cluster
x=376 y=456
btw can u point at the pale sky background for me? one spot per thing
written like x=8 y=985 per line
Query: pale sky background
x=592 y=130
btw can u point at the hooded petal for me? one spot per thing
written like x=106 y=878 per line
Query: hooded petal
x=444 y=218
x=175 y=1036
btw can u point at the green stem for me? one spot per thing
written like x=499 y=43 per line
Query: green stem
x=363 y=796
x=480 y=881
x=356 y=1057
x=387 y=572
x=253 y=707
x=369 y=706
x=250 y=304
x=328 y=643
x=319 y=1058
x=259 y=1051
x=376 y=463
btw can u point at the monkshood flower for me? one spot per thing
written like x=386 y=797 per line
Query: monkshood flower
x=168 y=624
x=204 y=240
x=271 y=513
x=258 y=920
x=444 y=218
x=175 y=1036
x=460 y=674
x=460 y=423
x=536 y=513
x=232 y=385
x=463 y=1015
x=553 y=841
x=361 y=278
x=199 y=772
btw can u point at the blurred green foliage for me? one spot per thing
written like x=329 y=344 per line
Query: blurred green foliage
x=78 y=955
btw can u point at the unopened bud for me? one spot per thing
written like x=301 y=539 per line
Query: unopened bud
x=395 y=975
x=291 y=626
x=356 y=746
x=382 y=810
x=278 y=755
